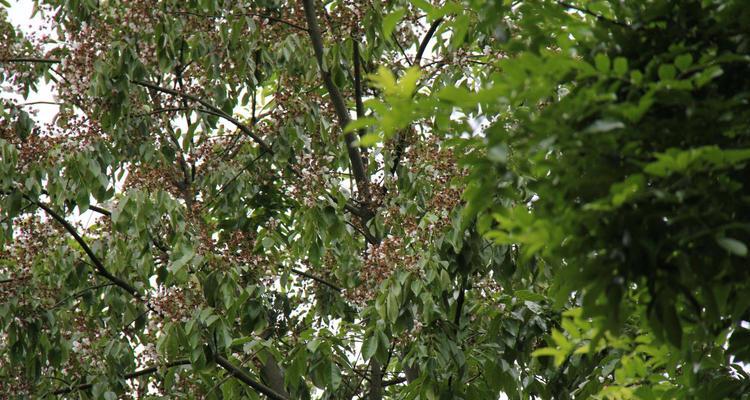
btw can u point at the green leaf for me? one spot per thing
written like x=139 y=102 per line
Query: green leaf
x=733 y=246
x=369 y=139
x=683 y=61
x=620 y=66
x=602 y=63
x=360 y=123
x=667 y=72
x=384 y=80
x=408 y=82
x=24 y=124
x=184 y=255
x=15 y=203
x=392 y=306
x=335 y=376
x=369 y=347
x=460 y=27
x=391 y=20
x=739 y=345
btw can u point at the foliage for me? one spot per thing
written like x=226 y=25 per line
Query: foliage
x=405 y=199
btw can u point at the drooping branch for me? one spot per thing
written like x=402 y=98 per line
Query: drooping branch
x=245 y=378
x=317 y=279
x=342 y=113
x=98 y=265
x=210 y=108
x=132 y=375
x=80 y=293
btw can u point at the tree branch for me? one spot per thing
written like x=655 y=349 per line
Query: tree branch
x=136 y=374
x=426 y=39
x=247 y=379
x=247 y=14
x=317 y=279
x=209 y=108
x=395 y=381
x=358 y=83
x=401 y=144
x=97 y=263
x=339 y=105
x=29 y=60
x=376 y=381
x=593 y=14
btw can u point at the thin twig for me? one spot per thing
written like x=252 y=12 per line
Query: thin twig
x=593 y=14
x=135 y=374
x=210 y=108
x=259 y=15
x=317 y=279
x=30 y=60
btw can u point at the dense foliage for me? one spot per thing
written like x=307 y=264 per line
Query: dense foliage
x=460 y=199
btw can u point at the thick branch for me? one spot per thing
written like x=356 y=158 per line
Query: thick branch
x=358 y=168
x=426 y=40
x=247 y=379
x=358 y=83
x=376 y=381
x=395 y=381
x=273 y=375
x=136 y=374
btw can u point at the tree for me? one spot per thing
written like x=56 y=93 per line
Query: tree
x=404 y=199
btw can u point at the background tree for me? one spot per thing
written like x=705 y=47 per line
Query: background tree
x=403 y=199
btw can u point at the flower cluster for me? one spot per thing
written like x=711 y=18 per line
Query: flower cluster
x=314 y=177
x=437 y=165
x=380 y=263
x=85 y=339
x=174 y=304
x=32 y=239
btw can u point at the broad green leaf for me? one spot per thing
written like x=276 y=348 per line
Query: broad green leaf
x=733 y=246
x=369 y=347
x=391 y=20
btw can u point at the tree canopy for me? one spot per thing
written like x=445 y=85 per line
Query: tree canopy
x=350 y=199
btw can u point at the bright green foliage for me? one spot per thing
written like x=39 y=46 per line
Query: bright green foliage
x=469 y=199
